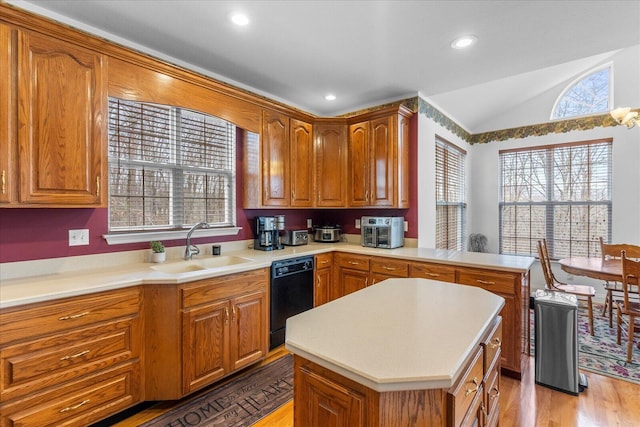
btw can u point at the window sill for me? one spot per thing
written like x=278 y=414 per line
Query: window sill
x=147 y=236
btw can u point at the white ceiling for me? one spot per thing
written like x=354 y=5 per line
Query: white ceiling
x=369 y=52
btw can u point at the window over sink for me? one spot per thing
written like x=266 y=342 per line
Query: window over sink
x=169 y=168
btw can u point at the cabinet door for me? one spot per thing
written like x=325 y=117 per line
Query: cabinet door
x=382 y=162
x=350 y=281
x=61 y=122
x=403 y=166
x=7 y=115
x=322 y=293
x=275 y=159
x=359 y=164
x=321 y=402
x=205 y=345
x=301 y=164
x=331 y=165
x=248 y=329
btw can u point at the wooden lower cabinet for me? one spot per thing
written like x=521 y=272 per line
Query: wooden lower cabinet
x=200 y=332
x=72 y=361
x=323 y=279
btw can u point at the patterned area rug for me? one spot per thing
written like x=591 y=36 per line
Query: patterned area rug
x=239 y=403
x=600 y=353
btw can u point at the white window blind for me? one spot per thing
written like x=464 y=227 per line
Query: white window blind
x=169 y=168
x=450 y=196
x=561 y=193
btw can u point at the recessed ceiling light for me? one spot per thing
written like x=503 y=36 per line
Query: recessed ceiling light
x=240 y=19
x=330 y=97
x=463 y=42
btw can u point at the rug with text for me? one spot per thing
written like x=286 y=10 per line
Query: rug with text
x=238 y=403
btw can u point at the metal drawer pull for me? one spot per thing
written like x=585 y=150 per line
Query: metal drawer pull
x=354 y=262
x=4 y=182
x=73 y=356
x=324 y=262
x=71 y=408
x=496 y=342
x=233 y=314
x=390 y=268
x=485 y=282
x=433 y=275
x=226 y=315
x=74 y=316
x=496 y=394
x=473 y=390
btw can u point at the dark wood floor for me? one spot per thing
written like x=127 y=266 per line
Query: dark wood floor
x=607 y=402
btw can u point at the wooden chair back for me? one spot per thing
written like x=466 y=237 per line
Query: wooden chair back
x=630 y=276
x=610 y=251
x=545 y=262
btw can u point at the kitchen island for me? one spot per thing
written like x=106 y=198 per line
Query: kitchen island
x=410 y=352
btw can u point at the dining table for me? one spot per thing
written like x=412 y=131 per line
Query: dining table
x=594 y=267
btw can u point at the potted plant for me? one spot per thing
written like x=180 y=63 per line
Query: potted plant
x=157 y=252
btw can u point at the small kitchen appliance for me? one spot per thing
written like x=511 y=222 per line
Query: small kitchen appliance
x=296 y=237
x=268 y=233
x=382 y=232
x=327 y=233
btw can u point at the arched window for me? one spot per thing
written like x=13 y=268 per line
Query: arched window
x=590 y=94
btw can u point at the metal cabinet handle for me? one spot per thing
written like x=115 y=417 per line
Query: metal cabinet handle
x=318 y=280
x=74 y=316
x=98 y=185
x=226 y=315
x=496 y=342
x=485 y=282
x=71 y=408
x=389 y=268
x=73 y=356
x=233 y=314
x=495 y=393
x=433 y=275
x=472 y=390
x=4 y=181
x=354 y=263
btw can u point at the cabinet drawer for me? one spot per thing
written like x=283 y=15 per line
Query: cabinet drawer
x=492 y=344
x=80 y=403
x=390 y=267
x=219 y=288
x=489 y=280
x=492 y=395
x=461 y=396
x=434 y=271
x=354 y=262
x=324 y=260
x=36 y=320
x=34 y=365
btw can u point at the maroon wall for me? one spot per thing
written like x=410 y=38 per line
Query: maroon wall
x=30 y=234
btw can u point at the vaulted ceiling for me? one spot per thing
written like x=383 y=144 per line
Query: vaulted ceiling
x=370 y=52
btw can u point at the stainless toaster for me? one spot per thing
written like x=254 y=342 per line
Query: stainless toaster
x=296 y=237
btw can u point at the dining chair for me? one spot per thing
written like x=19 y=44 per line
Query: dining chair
x=626 y=307
x=614 y=288
x=582 y=292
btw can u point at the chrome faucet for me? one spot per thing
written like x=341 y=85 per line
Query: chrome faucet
x=192 y=250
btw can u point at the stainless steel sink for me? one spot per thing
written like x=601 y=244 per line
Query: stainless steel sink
x=182 y=267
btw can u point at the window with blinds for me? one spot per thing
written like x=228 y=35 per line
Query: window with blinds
x=169 y=168
x=450 y=196
x=561 y=193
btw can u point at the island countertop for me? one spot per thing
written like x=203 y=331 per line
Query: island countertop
x=401 y=334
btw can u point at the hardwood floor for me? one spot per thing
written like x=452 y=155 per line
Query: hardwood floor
x=607 y=402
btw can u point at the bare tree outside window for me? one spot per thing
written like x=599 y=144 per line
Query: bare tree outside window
x=589 y=95
x=561 y=193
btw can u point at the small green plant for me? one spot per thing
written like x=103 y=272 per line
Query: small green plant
x=157 y=247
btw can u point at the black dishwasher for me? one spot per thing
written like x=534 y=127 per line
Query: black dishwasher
x=291 y=293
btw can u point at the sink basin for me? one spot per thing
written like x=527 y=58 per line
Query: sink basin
x=178 y=267
x=182 y=267
x=221 y=261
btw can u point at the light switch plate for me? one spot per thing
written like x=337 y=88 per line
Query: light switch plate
x=406 y=226
x=309 y=223
x=357 y=223
x=79 y=237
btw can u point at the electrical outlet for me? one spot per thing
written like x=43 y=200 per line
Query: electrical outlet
x=309 y=223
x=79 y=237
x=357 y=223
x=406 y=226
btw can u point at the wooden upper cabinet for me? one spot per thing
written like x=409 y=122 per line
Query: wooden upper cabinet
x=379 y=159
x=331 y=151
x=359 y=164
x=7 y=115
x=62 y=113
x=301 y=170
x=275 y=159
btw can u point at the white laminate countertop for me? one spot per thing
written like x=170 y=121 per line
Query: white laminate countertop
x=44 y=280
x=400 y=334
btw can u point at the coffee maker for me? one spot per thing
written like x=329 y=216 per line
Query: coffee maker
x=268 y=233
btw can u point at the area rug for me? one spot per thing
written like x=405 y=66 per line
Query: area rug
x=600 y=353
x=239 y=403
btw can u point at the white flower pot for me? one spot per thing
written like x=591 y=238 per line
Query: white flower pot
x=158 y=257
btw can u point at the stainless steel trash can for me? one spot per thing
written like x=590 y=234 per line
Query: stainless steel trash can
x=556 y=342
